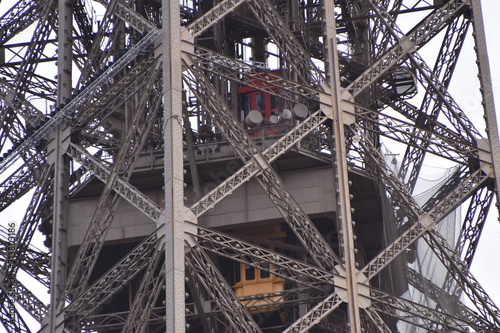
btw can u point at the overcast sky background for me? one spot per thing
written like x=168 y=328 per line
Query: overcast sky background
x=486 y=266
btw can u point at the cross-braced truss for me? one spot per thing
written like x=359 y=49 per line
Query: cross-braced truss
x=222 y=166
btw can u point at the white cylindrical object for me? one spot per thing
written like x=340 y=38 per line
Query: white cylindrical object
x=286 y=114
x=274 y=119
x=253 y=118
x=300 y=111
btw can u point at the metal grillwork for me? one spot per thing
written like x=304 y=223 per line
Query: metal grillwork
x=243 y=166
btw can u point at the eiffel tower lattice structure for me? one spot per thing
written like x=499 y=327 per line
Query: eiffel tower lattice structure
x=244 y=166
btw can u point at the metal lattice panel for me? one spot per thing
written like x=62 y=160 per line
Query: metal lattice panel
x=220 y=166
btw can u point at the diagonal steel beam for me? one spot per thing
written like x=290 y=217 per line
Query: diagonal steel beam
x=26 y=229
x=146 y=295
x=419 y=315
x=19 y=182
x=251 y=169
x=126 y=191
x=216 y=286
x=34 y=262
x=19 y=17
x=418 y=36
x=375 y=318
x=457 y=196
x=114 y=279
x=305 y=230
x=316 y=314
x=444 y=68
x=250 y=254
x=122 y=168
x=448 y=302
x=135 y=20
x=11 y=319
x=464 y=277
x=35 y=48
x=440 y=141
x=28 y=301
x=23 y=107
x=214 y=15
x=71 y=108
x=473 y=224
x=248 y=75
x=291 y=50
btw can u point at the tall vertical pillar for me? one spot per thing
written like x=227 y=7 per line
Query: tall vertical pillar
x=486 y=90
x=56 y=149
x=340 y=169
x=172 y=217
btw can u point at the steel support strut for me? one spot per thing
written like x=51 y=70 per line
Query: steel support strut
x=172 y=218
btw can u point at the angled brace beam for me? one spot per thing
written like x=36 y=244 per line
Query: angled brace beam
x=114 y=279
x=37 y=84
x=316 y=314
x=451 y=110
x=398 y=191
x=444 y=68
x=417 y=37
x=287 y=297
x=375 y=318
x=126 y=191
x=216 y=286
x=19 y=182
x=470 y=233
x=286 y=41
x=250 y=254
x=462 y=274
x=23 y=107
x=406 y=47
x=449 y=303
x=33 y=262
x=450 y=137
x=214 y=15
x=84 y=22
x=473 y=224
x=147 y=294
x=18 y=18
x=251 y=169
x=379 y=44
x=233 y=69
x=135 y=20
x=208 y=322
x=440 y=142
x=68 y=111
x=27 y=228
x=10 y=318
x=133 y=142
x=24 y=297
x=111 y=95
x=35 y=48
x=425 y=222
x=305 y=230
x=418 y=314
x=99 y=50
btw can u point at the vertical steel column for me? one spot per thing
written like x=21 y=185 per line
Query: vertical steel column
x=172 y=217
x=340 y=173
x=61 y=171
x=486 y=90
